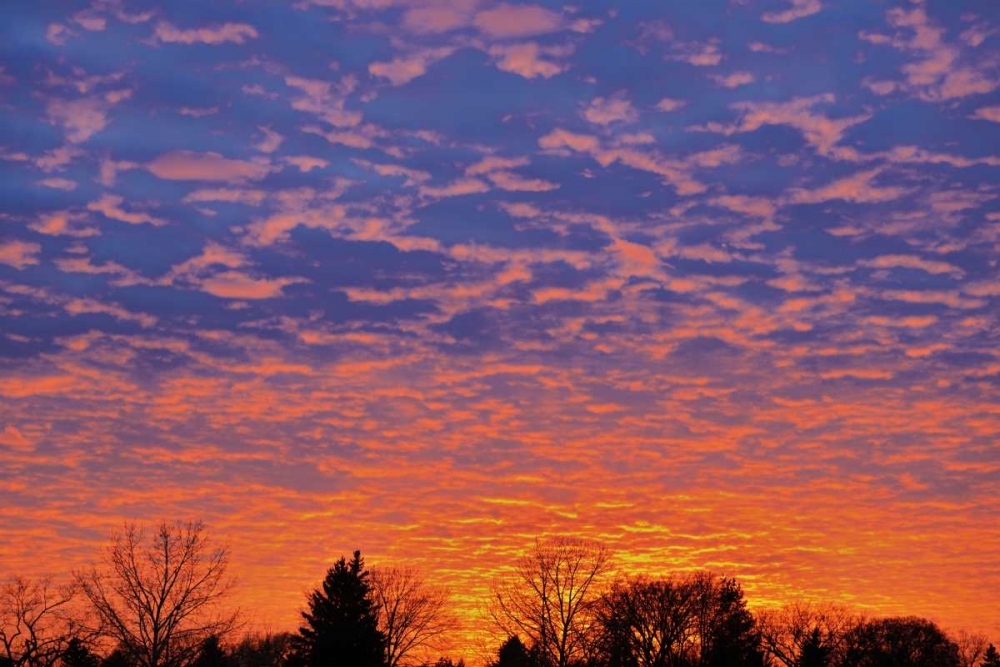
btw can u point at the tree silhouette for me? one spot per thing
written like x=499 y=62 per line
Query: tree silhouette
x=159 y=597
x=36 y=625
x=899 y=642
x=212 y=654
x=117 y=658
x=411 y=614
x=814 y=652
x=263 y=650
x=513 y=653
x=551 y=598
x=991 y=657
x=341 y=624
x=732 y=638
x=78 y=655
x=786 y=630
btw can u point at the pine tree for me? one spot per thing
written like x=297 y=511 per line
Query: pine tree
x=341 y=623
x=735 y=641
x=513 y=653
x=992 y=657
x=815 y=652
x=212 y=654
x=78 y=655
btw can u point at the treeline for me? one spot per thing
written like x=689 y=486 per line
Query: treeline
x=156 y=600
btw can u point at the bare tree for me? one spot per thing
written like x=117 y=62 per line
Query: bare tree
x=651 y=620
x=35 y=623
x=971 y=648
x=551 y=597
x=786 y=629
x=159 y=598
x=412 y=615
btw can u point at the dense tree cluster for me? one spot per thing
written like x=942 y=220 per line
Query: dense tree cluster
x=156 y=601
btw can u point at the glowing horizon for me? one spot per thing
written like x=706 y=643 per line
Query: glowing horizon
x=715 y=285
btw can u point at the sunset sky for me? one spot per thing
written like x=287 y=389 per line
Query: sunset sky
x=713 y=282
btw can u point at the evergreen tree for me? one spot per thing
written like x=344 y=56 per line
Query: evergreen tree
x=734 y=640
x=78 y=655
x=815 y=652
x=212 y=654
x=117 y=658
x=513 y=653
x=340 y=627
x=992 y=657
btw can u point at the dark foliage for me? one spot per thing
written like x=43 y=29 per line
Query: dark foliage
x=341 y=624
x=77 y=654
x=899 y=642
x=815 y=651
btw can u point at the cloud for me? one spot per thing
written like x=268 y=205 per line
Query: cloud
x=607 y=110
x=856 y=188
x=61 y=223
x=271 y=141
x=235 y=33
x=799 y=9
x=83 y=117
x=12 y=438
x=819 y=131
x=185 y=165
x=457 y=188
x=559 y=139
x=306 y=163
x=19 y=254
x=110 y=207
x=407 y=68
x=939 y=70
x=935 y=267
x=526 y=60
x=988 y=113
x=227 y=195
x=508 y=180
x=505 y=21
x=64 y=184
x=734 y=80
x=236 y=285
x=669 y=104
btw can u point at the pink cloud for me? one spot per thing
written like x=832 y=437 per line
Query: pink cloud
x=110 y=206
x=227 y=195
x=457 y=188
x=84 y=117
x=19 y=254
x=191 y=166
x=734 y=80
x=512 y=21
x=271 y=141
x=935 y=267
x=508 y=180
x=60 y=223
x=988 y=113
x=63 y=184
x=236 y=33
x=821 y=132
x=857 y=188
x=527 y=60
x=306 y=163
x=236 y=285
x=668 y=104
x=407 y=68
x=799 y=9
x=561 y=139
x=437 y=18
x=607 y=110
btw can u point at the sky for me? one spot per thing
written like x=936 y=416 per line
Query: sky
x=715 y=283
